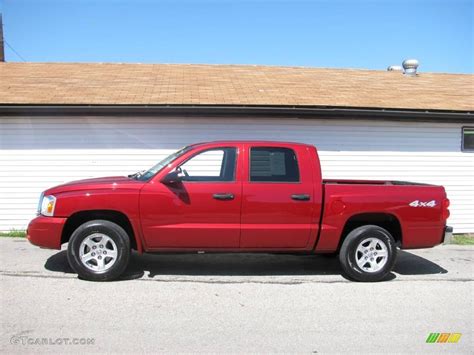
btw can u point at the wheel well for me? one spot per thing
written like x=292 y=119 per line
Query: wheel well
x=78 y=218
x=384 y=220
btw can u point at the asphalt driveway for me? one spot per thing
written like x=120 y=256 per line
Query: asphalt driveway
x=234 y=303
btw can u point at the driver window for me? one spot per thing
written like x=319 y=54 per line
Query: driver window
x=210 y=165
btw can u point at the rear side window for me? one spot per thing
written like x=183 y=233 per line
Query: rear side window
x=273 y=164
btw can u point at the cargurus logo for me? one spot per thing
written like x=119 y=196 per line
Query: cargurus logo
x=443 y=337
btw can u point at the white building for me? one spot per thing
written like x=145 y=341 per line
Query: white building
x=62 y=122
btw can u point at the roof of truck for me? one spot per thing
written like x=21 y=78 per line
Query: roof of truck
x=259 y=142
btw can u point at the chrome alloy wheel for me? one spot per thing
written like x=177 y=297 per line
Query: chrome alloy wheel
x=371 y=254
x=98 y=252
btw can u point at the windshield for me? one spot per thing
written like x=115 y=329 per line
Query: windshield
x=169 y=159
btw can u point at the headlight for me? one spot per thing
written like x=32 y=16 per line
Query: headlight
x=47 y=205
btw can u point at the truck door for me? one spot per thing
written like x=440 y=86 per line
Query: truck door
x=200 y=212
x=279 y=206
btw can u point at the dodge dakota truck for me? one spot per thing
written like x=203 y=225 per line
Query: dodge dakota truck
x=239 y=196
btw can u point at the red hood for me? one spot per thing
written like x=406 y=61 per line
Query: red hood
x=110 y=182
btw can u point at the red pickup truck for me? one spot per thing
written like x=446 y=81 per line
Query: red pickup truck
x=239 y=196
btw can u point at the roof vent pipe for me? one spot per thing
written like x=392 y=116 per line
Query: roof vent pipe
x=410 y=66
x=394 y=68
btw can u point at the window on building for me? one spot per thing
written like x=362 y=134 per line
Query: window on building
x=468 y=139
x=211 y=165
x=273 y=164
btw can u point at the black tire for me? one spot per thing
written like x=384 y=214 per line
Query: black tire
x=106 y=228
x=348 y=254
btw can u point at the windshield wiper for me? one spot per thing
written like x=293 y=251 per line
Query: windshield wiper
x=137 y=174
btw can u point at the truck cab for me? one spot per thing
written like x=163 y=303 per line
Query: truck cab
x=250 y=196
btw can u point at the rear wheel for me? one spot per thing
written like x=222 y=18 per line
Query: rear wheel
x=99 y=250
x=368 y=254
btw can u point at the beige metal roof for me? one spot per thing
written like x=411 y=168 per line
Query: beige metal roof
x=112 y=84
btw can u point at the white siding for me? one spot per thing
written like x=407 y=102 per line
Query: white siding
x=36 y=153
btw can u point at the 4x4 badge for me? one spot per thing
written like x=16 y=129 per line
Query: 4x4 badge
x=418 y=203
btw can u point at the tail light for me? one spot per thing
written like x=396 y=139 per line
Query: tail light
x=446 y=203
x=445 y=213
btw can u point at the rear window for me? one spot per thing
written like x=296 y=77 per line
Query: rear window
x=273 y=164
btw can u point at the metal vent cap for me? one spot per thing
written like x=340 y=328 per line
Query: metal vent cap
x=410 y=66
x=394 y=68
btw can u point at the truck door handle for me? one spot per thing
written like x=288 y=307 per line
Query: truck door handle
x=302 y=197
x=225 y=196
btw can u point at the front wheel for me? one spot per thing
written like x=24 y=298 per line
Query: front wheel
x=99 y=250
x=368 y=254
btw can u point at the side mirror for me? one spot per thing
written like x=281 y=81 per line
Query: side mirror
x=171 y=178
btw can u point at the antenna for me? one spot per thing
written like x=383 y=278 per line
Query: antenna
x=2 y=50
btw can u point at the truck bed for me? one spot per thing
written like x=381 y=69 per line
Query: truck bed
x=420 y=210
x=370 y=182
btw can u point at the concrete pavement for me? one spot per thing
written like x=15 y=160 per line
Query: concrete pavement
x=234 y=303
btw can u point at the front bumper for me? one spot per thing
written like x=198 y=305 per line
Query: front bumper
x=45 y=232
x=448 y=235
